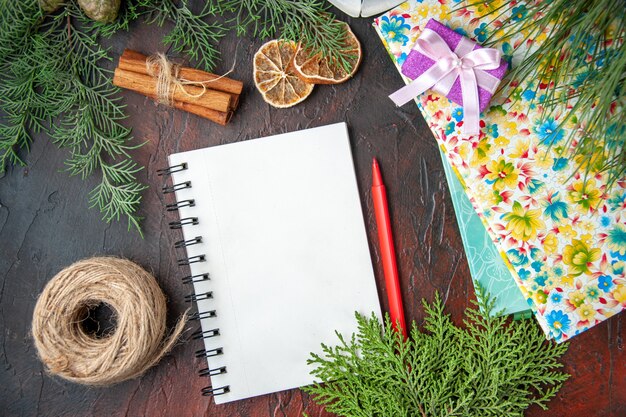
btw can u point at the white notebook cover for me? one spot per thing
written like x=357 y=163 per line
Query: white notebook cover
x=286 y=249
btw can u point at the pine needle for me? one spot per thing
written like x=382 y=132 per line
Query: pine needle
x=491 y=367
x=306 y=21
x=583 y=64
x=53 y=82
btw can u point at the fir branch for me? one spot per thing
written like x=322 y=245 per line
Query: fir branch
x=130 y=10
x=491 y=367
x=55 y=83
x=191 y=34
x=308 y=22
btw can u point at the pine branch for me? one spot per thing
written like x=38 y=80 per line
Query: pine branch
x=54 y=83
x=491 y=367
x=53 y=79
x=191 y=34
x=304 y=21
x=580 y=69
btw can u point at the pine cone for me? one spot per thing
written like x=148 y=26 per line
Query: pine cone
x=50 y=6
x=100 y=10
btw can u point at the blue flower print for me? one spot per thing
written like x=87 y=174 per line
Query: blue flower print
x=507 y=53
x=558 y=321
x=535 y=185
x=528 y=94
x=580 y=79
x=617 y=201
x=519 y=13
x=550 y=133
x=605 y=283
x=395 y=29
x=450 y=128
x=618 y=255
x=461 y=31
x=616 y=239
x=592 y=292
x=400 y=60
x=516 y=258
x=457 y=114
x=540 y=279
x=523 y=274
x=605 y=221
x=556 y=297
x=559 y=164
x=492 y=130
x=617 y=267
x=481 y=32
x=555 y=208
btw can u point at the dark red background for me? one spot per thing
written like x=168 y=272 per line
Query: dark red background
x=45 y=224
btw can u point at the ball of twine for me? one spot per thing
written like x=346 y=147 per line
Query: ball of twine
x=139 y=310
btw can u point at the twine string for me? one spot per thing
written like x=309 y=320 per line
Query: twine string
x=138 y=340
x=168 y=78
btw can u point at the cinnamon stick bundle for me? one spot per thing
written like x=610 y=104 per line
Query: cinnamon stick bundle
x=216 y=101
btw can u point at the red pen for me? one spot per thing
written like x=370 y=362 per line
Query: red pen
x=387 y=251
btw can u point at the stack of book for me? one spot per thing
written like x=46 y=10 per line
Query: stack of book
x=538 y=234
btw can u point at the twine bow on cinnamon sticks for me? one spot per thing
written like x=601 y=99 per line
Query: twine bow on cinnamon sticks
x=207 y=95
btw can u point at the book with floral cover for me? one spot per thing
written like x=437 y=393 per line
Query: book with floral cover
x=563 y=236
x=486 y=265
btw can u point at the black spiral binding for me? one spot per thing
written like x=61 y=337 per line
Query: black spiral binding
x=190 y=279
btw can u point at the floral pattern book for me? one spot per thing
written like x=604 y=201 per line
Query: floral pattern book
x=563 y=236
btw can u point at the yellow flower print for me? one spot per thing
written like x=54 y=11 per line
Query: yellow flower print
x=550 y=243
x=544 y=160
x=567 y=232
x=422 y=10
x=540 y=297
x=481 y=153
x=584 y=196
x=482 y=188
x=502 y=173
x=586 y=312
x=521 y=149
x=587 y=239
x=518 y=106
x=485 y=8
x=588 y=226
x=509 y=129
x=576 y=298
x=523 y=224
x=593 y=160
x=562 y=178
x=567 y=280
x=611 y=32
x=464 y=150
x=578 y=256
x=619 y=294
x=498 y=116
x=440 y=10
x=432 y=106
x=540 y=38
x=501 y=141
x=493 y=198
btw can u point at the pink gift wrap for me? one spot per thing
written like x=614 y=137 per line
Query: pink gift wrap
x=416 y=64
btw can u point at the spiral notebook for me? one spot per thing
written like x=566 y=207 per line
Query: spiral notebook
x=276 y=243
